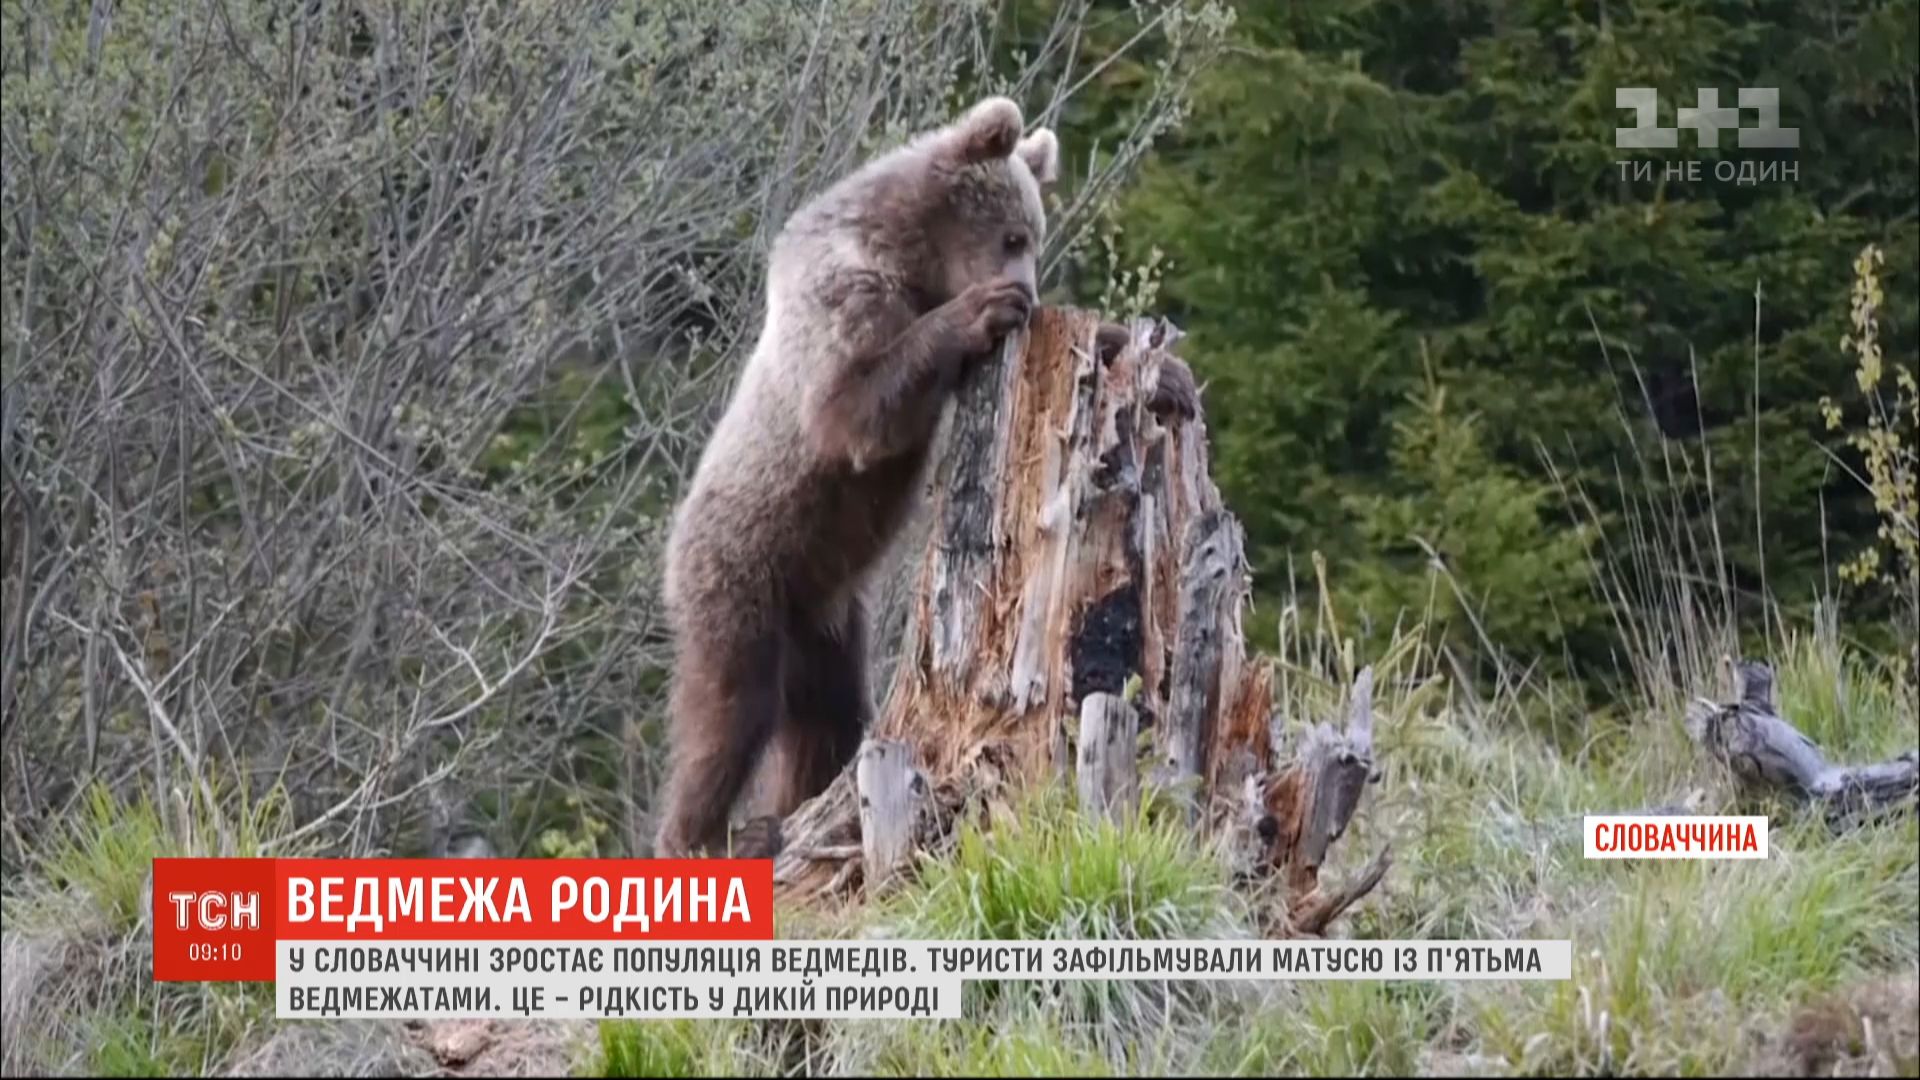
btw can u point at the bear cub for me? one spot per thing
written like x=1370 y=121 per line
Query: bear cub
x=880 y=292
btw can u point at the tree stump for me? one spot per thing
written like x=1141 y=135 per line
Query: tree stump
x=1076 y=543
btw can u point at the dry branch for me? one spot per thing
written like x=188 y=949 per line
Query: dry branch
x=1766 y=753
x=1076 y=543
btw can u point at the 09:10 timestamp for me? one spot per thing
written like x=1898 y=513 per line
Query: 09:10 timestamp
x=210 y=951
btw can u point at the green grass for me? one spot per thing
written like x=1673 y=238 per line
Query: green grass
x=101 y=861
x=97 y=865
x=1843 y=701
x=1027 y=1043
x=1680 y=967
x=1044 y=872
x=86 y=898
x=1674 y=964
x=665 y=1048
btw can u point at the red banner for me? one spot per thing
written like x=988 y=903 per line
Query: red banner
x=219 y=919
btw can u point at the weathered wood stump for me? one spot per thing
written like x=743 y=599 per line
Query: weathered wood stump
x=1077 y=542
x=892 y=795
x=1306 y=807
x=1107 y=770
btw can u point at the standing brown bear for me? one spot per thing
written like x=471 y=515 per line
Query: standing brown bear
x=880 y=292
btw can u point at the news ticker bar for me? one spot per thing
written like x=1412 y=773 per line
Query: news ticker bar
x=497 y=927
x=599 y=979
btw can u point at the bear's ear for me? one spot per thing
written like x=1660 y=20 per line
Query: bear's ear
x=989 y=131
x=1041 y=152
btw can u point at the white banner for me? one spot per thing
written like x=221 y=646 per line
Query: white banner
x=859 y=979
x=1675 y=836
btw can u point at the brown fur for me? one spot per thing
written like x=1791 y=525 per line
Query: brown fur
x=880 y=292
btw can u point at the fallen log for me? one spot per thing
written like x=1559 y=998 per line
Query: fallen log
x=1767 y=754
x=1076 y=544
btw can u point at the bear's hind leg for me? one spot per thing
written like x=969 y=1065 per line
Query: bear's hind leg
x=827 y=708
x=726 y=703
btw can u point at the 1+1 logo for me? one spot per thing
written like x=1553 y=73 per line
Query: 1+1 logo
x=1708 y=118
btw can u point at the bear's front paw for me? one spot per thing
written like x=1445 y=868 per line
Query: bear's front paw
x=1174 y=391
x=997 y=308
x=757 y=838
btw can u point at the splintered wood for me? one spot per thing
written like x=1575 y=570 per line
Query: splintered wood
x=1077 y=543
x=891 y=794
x=1307 y=806
x=1107 y=771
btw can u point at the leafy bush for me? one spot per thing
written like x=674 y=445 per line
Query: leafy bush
x=355 y=356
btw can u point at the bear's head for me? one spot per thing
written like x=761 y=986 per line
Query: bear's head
x=989 y=222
